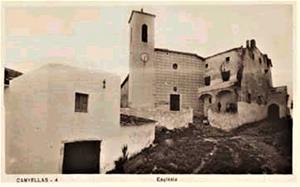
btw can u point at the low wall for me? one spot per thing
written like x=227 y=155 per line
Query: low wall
x=247 y=113
x=135 y=137
x=166 y=118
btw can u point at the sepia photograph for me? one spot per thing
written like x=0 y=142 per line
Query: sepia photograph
x=95 y=88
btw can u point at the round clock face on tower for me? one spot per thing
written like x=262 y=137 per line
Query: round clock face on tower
x=144 y=57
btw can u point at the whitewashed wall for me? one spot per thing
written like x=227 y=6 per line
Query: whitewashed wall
x=40 y=117
x=164 y=117
x=247 y=113
x=135 y=137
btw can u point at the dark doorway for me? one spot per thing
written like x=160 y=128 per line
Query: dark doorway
x=81 y=157
x=273 y=112
x=174 y=102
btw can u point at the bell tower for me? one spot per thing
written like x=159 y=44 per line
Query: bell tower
x=141 y=59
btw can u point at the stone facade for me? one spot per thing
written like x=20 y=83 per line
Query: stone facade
x=183 y=80
x=223 y=82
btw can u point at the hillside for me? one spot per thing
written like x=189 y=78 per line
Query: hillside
x=262 y=147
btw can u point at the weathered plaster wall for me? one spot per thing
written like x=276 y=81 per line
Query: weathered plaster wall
x=255 y=80
x=247 y=113
x=164 y=117
x=279 y=97
x=214 y=63
x=40 y=115
x=135 y=137
x=187 y=78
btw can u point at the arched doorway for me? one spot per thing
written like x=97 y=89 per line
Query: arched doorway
x=273 y=112
x=206 y=100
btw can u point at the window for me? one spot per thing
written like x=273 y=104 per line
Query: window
x=227 y=59
x=104 y=84
x=259 y=100
x=206 y=65
x=266 y=71
x=249 y=98
x=209 y=100
x=144 y=33
x=175 y=66
x=175 y=89
x=260 y=60
x=207 y=81
x=81 y=102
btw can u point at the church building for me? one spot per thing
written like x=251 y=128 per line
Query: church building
x=229 y=83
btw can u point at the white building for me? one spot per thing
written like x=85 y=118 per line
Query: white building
x=57 y=112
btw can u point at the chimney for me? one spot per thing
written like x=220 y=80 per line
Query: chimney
x=142 y=10
x=247 y=43
x=252 y=43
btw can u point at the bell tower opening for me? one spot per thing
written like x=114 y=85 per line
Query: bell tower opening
x=144 y=33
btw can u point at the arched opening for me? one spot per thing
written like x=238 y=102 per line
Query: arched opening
x=226 y=101
x=273 y=112
x=144 y=33
x=206 y=100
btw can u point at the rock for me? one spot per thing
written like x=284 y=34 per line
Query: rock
x=169 y=142
x=154 y=168
x=173 y=166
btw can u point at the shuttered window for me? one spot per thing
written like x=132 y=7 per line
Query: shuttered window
x=81 y=102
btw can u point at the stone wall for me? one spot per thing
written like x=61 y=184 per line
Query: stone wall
x=187 y=78
x=257 y=78
x=166 y=118
x=279 y=97
x=247 y=113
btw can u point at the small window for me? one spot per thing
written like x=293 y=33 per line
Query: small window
x=259 y=100
x=209 y=100
x=227 y=59
x=175 y=89
x=104 y=84
x=81 y=102
x=266 y=71
x=175 y=66
x=206 y=65
x=249 y=98
x=144 y=33
x=260 y=60
x=207 y=81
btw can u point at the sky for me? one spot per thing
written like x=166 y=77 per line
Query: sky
x=97 y=35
